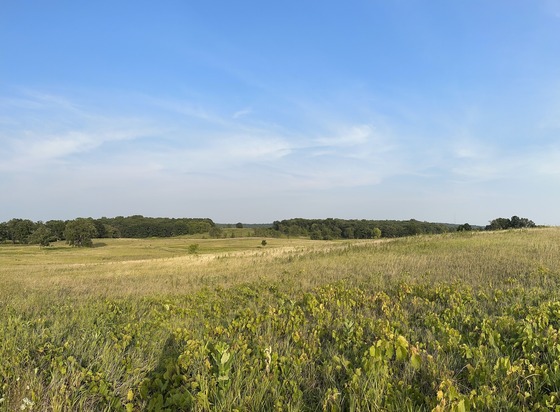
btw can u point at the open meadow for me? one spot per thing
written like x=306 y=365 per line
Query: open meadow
x=458 y=322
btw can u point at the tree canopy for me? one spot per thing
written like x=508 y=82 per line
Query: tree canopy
x=515 y=222
x=356 y=229
x=42 y=236
x=80 y=232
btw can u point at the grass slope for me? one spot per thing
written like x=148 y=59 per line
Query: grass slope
x=451 y=322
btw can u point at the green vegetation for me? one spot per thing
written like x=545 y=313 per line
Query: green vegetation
x=138 y=226
x=41 y=236
x=515 y=222
x=460 y=321
x=80 y=231
x=328 y=229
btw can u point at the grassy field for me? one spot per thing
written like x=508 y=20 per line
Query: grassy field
x=450 y=322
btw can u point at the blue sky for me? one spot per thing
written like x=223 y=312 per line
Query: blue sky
x=252 y=111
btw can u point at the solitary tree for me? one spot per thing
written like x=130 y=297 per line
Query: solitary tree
x=79 y=232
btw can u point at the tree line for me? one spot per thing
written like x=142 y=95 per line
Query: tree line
x=327 y=229
x=80 y=231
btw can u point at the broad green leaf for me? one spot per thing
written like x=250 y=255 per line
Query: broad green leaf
x=415 y=361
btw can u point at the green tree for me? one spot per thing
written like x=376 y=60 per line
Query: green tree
x=464 y=228
x=413 y=227
x=42 y=236
x=100 y=228
x=239 y=225
x=215 y=232
x=4 y=235
x=20 y=229
x=499 y=223
x=524 y=222
x=263 y=243
x=111 y=231
x=80 y=232
x=57 y=228
x=376 y=233
x=520 y=222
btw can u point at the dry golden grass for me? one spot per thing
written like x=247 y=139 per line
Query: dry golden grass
x=124 y=267
x=140 y=266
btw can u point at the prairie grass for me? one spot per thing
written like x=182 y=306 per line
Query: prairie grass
x=450 y=321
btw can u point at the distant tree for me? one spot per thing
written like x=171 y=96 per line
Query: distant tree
x=57 y=228
x=19 y=230
x=315 y=235
x=100 y=228
x=499 y=223
x=111 y=231
x=521 y=222
x=464 y=228
x=413 y=227
x=526 y=222
x=239 y=225
x=3 y=232
x=515 y=222
x=348 y=232
x=376 y=233
x=42 y=236
x=263 y=243
x=80 y=232
x=216 y=232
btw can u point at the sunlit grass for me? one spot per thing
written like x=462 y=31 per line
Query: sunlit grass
x=81 y=329
x=130 y=249
x=164 y=266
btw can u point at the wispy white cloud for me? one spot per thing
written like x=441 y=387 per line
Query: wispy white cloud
x=29 y=99
x=34 y=151
x=55 y=147
x=173 y=149
x=355 y=135
x=241 y=113
x=468 y=148
x=481 y=162
x=47 y=129
x=185 y=108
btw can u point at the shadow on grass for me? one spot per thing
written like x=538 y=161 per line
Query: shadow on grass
x=169 y=354
x=99 y=244
x=158 y=381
